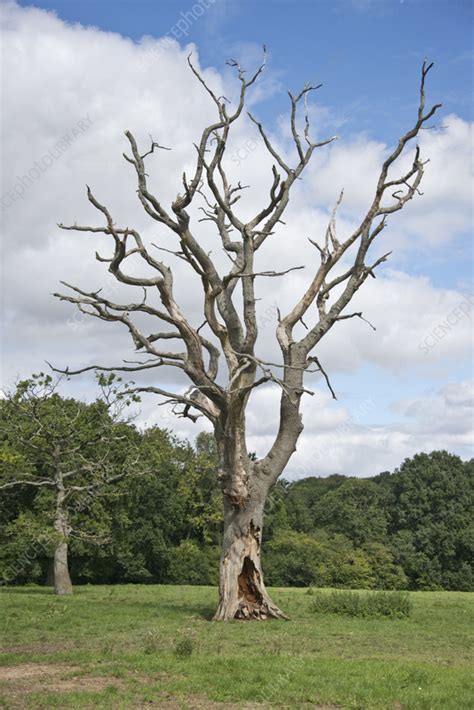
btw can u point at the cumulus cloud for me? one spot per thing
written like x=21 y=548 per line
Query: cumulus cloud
x=442 y=212
x=336 y=441
x=418 y=326
x=69 y=93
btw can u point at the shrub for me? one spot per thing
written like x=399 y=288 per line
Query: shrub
x=391 y=604
x=184 y=647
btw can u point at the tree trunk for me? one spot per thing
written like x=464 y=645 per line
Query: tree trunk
x=62 y=579
x=242 y=593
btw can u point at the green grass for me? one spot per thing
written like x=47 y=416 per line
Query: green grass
x=153 y=646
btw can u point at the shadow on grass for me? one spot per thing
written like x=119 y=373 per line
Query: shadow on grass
x=203 y=611
x=45 y=591
x=129 y=599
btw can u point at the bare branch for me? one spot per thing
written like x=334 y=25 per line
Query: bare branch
x=120 y=368
x=357 y=315
x=324 y=373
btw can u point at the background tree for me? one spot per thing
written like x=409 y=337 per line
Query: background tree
x=69 y=452
x=431 y=513
x=355 y=509
x=230 y=324
x=175 y=501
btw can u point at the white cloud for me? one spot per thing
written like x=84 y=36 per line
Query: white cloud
x=448 y=412
x=435 y=218
x=417 y=324
x=335 y=442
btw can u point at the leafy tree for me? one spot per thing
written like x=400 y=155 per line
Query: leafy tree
x=304 y=495
x=68 y=452
x=295 y=559
x=431 y=520
x=320 y=559
x=386 y=572
x=176 y=500
x=149 y=521
x=355 y=509
x=276 y=510
x=199 y=490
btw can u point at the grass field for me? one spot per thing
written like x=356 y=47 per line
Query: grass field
x=129 y=646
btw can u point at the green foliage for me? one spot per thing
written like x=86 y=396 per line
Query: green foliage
x=411 y=529
x=49 y=443
x=323 y=559
x=166 y=524
x=191 y=564
x=294 y=559
x=387 y=573
x=200 y=493
x=394 y=605
x=414 y=527
x=432 y=520
x=302 y=496
x=355 y=509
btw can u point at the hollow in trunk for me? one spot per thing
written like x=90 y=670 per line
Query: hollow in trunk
x=242 y=593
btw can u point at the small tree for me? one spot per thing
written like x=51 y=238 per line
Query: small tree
x=230 y=324
x=74 y=450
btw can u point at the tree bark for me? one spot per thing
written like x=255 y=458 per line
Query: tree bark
x=62 y=579
x=242 y=593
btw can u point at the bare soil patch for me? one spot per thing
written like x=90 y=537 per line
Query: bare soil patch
x=18 y=682
x=32 y=670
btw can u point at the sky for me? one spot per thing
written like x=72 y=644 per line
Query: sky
x=75 y=75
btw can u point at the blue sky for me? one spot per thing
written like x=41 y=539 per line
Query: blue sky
x=367 y=54
x=374 y=46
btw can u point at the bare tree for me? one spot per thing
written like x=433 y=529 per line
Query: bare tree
x=69 y=448
x=230 y=316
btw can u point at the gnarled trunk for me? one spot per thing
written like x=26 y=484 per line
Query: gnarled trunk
x=242 y=593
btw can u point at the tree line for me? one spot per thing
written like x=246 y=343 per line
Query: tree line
x=84 y=491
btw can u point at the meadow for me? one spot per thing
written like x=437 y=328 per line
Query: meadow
x=137 y=646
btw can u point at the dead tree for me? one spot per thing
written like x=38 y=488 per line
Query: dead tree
x=229 y=309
